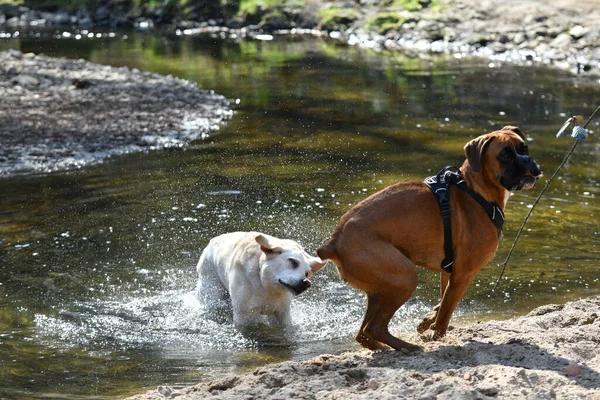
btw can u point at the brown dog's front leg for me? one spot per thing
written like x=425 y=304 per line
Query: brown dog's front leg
x=456 y=289
x=429 y=319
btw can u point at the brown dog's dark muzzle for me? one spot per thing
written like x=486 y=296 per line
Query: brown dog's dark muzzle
x=532 y=175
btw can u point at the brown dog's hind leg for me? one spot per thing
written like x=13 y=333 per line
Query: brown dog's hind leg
x=372 y=310
x=376 y=327
x=388 y=277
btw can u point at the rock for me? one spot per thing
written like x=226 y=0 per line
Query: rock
x=25 y=80
x=497 y=47
x=562 y=41
x=578 y=31
x=101 y=14
x=12 y=10
x=59 y=19
x=144 y=25
x=373 y=384
x=14 y=21
x=487 y=389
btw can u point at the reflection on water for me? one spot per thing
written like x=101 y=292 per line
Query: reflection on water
x=98 y=264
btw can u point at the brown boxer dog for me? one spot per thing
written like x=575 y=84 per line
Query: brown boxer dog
x=378 y=244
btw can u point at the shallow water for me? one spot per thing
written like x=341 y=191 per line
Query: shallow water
x=98 y=264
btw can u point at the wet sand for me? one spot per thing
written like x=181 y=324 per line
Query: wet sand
x=553 y=352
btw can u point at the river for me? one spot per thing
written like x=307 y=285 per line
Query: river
x=98 y=263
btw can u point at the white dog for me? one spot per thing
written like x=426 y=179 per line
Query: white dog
x=260 y=273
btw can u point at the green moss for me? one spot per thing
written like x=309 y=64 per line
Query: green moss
x=436 y=5
x=408 y=5
x=251 y=7
x=385 y=21
x=335 y=18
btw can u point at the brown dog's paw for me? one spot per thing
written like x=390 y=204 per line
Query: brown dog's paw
x=427 y=323
x=437 y=335
x=370 y=343
x=424 y=327
x=427 y=337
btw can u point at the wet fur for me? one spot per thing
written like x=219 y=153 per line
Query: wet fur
x=258 y=273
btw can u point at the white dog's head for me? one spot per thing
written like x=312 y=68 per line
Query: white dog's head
x=285 y=265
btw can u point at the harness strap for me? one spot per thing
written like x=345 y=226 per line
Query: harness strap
x=440 y=187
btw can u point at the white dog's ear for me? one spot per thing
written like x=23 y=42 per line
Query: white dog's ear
x=317 y=264
x=267 y=246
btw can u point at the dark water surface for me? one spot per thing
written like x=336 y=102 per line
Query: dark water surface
x=98 y=264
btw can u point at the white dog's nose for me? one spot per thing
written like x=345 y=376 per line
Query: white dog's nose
x=297 y=287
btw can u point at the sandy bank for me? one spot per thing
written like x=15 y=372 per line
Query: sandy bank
x=553 y=352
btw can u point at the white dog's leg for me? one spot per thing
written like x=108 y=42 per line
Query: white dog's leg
x=243 y=314
x=284 y=316
x=209 y=290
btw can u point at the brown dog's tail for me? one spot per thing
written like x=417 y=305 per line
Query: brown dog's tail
x=327 y=252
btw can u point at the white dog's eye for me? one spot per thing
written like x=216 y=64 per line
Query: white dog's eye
x=294 y=263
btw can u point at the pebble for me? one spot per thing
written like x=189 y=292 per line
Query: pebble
x=373 y=384
x=487 y=389
x=572 y=370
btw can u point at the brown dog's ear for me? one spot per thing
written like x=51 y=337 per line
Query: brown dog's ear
x=515 y=130
x=474 y=151
x=267 y=246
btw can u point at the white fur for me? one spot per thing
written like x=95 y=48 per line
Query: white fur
x=507 y=195
x=235 y=264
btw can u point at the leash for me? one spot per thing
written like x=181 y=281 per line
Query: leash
x=579 y=133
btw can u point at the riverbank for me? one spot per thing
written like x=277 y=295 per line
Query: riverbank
x=563 y=33
x=57 y=113
x=553 y=352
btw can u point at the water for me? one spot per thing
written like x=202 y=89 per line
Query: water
x=98 y=263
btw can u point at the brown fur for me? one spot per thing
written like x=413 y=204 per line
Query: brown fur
x=378 y=244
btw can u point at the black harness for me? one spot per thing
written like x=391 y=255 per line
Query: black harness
x=440 y=186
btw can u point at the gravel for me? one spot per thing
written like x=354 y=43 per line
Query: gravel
x=58 y=113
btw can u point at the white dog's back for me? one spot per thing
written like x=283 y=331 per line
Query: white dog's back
x=224 y=254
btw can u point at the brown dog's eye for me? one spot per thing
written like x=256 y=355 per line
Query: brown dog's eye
x=506 y=155
x=294 y=263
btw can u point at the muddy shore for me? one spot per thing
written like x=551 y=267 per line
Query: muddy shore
x=551 y=353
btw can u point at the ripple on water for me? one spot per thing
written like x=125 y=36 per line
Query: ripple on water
x=177 y=324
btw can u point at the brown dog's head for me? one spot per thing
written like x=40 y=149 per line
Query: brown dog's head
x=504 y=155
